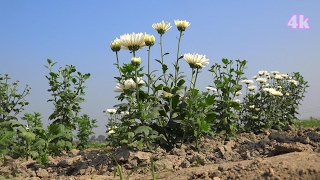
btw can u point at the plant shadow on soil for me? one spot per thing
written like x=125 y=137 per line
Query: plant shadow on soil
x=289 y=154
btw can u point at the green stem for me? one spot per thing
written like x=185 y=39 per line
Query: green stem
x=118 y=64
x=149 y=78
x=137 y=86
x=162 y=60
x=177 y=62
x=195 y=80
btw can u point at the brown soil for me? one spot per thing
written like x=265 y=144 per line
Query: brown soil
x=290 y=154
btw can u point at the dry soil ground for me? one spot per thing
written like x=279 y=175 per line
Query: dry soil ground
x=290 y=154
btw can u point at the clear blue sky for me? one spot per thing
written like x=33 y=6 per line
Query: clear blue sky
x=79 y=33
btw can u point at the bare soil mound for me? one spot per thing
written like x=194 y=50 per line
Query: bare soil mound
x=289 y=154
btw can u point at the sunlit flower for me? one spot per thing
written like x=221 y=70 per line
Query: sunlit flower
x=257 y=109
x=115 y=45
x=111 y=132
x=266 y=85
x=161 y=27
x=132 y=42
x=287 y=94
x=252 y=106
x=135 y=61
x=251 y=88
x=195 y=60
x=278 y=77
x=149 y=40
x=254 y=77
x=293 y=81
x=27 y=127
x=279 y=87
x=262 y=72
x=247 y=81
x=275 y=72
x=111 y=111
x=284 y=75
x=211 y=88
x=276 y=93
x=182 y=24
x=128 y=84
x=238 y=93
x=261 y=80
x=273 y=91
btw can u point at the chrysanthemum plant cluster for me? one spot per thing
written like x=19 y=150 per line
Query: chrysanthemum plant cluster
x=273 y=102
x=164 y=111
x=33 y=140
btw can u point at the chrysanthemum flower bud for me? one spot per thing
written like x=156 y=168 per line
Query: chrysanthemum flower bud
x=149 y=40
x=136 y=61
x=115 y=45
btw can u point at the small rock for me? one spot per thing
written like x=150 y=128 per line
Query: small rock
x=42 y=173
x=222 y=167
x=216 y=178
x=185 y=164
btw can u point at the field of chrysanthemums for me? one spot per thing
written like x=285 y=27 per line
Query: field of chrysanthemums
x=165 y=110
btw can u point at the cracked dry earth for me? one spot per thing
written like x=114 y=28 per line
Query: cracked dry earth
x=290 y=154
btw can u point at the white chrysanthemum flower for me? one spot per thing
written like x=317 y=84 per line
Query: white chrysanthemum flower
x=132 y=42
x=293 y=81
x=251 y=88
x=284 y=75
x=287 y=94
x=115 y=45
x=266 y=85
x=111 y=111
x=111 y=132
x=128 y=84
x=182 y=24
x=279 y=87
x=161 y=27
x=247 y=81
x=274 y=92
x=252 y=106
x=257 y=109
x=275 y=72
x=261 y=80
x=262 y=72
x=278 y=77
x=149 y=40
x=211 y=88
x=254 y=77
x=238 y=93
x=27 y=127
x=194 y=60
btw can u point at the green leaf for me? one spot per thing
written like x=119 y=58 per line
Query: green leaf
x=143 y=129
x=181 y=82
x=225 y=61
